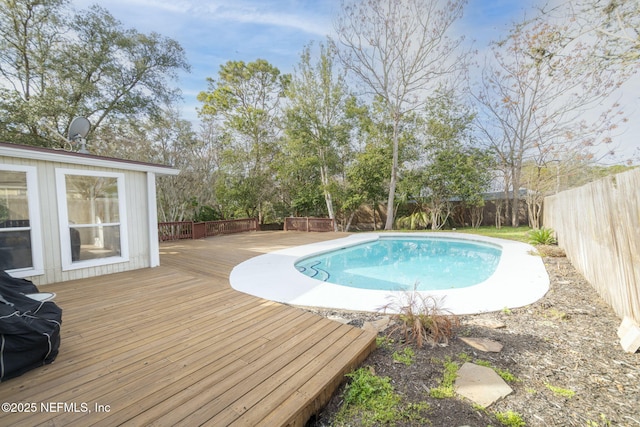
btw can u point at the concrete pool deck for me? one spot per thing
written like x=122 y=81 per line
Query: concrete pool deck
x=520 y=279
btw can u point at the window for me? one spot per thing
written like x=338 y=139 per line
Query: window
x=20 y=238
x=92 y=212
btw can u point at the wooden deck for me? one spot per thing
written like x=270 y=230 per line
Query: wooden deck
x=176 y=345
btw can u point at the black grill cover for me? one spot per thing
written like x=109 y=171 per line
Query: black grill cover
x=29 y=329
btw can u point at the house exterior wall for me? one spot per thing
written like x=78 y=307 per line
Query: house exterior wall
x=137 y=218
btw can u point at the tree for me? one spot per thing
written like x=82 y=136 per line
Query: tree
x=367 y=177
x=316 y=124
x=189 y=195
x=450 y=167
x=615 y=25
x=299 y=185
x=28 y=31
x=110 y=71
x=167 y=139
x=368 y=173
x=245 y=101
x=54 y=67
x=533 y=97
x=398 y=50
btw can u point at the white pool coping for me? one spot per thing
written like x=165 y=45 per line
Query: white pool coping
x=520 y=279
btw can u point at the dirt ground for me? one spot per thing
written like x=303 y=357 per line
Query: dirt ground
x=565 y=342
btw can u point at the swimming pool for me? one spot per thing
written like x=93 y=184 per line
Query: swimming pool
x=405 y=263
x=519 y=279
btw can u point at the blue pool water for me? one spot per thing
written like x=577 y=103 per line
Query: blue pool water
x=402 y=263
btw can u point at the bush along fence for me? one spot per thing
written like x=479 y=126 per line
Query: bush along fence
x=308 y=224
x=598 y=226
x=198 y=230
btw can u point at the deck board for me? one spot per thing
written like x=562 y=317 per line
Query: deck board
x=176 y=345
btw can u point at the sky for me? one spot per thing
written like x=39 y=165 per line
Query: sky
x=213 y=32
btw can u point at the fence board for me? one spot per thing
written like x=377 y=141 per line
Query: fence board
x=308 y=224
x=598 y=226
x=197 y=230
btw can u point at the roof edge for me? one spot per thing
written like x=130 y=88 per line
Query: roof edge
x=63 y=156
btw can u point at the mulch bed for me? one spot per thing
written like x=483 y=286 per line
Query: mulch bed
x=566 y=340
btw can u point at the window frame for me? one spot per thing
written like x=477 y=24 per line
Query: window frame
x=35 y=229
x=63 y=217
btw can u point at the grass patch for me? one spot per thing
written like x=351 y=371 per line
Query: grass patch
x=384 y=342
x=445 y=389
x=405 y=357
x=556 y=314
x=464 y=357
x=559 y=391
x=520 y=234
x=604 y=422
x=371 y=400
x=504 y=373
x=510 y=419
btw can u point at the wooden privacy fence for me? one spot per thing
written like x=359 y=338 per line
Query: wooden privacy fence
x=308 y=224
x=598 y=226
x=198 y=230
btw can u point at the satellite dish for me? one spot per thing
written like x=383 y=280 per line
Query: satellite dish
x=78 y=130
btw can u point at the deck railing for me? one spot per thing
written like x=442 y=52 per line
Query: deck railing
x=198 y=230
x=308 y=224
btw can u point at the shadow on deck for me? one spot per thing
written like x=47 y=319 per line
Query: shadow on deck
x=176 y=345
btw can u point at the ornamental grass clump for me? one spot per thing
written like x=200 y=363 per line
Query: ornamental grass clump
x=542 y=236
x=420 y=319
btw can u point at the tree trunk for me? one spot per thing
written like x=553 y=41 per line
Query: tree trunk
x=394 y=176
x=373 y=209
x=327 y=195
x=515 y=196
x=348 y=226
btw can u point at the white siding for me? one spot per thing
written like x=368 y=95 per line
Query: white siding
x=137 y=217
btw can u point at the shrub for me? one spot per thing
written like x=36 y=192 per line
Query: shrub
x=416 y=221
x=420 y=319
x=542 y=236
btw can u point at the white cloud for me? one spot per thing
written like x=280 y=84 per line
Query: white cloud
x=298 y=22
x=302 y=17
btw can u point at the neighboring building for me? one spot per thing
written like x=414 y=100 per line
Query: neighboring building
x=66 y=215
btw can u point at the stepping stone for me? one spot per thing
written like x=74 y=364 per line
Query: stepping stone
x=487 y=323
x=377 y=325
x=483 y=344
x=480 y=384
x=339 y=319
x=629 y=334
